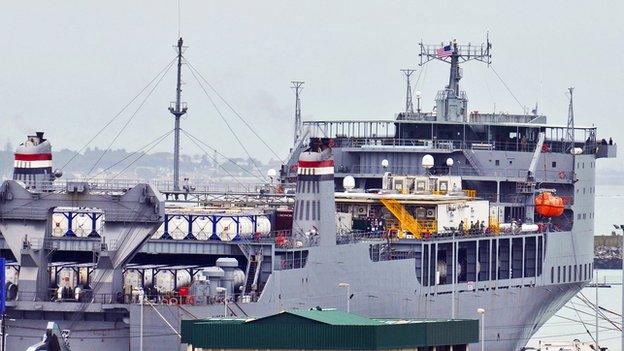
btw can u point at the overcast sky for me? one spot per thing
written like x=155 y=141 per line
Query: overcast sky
x=69 y=66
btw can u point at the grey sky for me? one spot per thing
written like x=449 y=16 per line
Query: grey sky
x=69 y=66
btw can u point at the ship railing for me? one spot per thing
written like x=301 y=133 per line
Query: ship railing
x=550 y=145
x=476 y=117
x=357 y=236
x=423 y=144
x=155 y=297
x=122 y=185
x=555 y=175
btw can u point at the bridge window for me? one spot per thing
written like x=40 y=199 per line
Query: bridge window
x=558 y=274
x=552 y=275
x=564 y=274
x=554 y=164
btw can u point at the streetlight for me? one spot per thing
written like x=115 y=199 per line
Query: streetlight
x=224 y=291
x=481 y=312
x=348 y=287
x=621 y=226
x=141 y=298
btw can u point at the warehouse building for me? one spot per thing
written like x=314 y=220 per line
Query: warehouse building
x=328 y=330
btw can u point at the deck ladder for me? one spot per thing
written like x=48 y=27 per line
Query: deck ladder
x=407 y=221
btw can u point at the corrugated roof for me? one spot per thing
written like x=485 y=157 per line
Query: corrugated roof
x=326 y=330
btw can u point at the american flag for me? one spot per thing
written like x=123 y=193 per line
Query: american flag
x=445 y=51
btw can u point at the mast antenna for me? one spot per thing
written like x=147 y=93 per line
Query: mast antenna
x=451 y=103
x=177 y=109
x=570 y=126
x=455 y=54
x=409 y=106
x=297 y=86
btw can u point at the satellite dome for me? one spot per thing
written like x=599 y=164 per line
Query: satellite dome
x=384 y=163
x=271 y=173
x=348 y=182
x=449 y=162
x=427 y=161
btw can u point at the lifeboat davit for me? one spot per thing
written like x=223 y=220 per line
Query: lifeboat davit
x=548 y=205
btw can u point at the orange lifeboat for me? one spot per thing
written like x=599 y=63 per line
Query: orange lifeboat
x=548 y=205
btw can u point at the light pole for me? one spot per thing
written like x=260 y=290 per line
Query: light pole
x=224 y=291
x=481 y=312
x=141 y=297
x=621 y=226
x=348 y=287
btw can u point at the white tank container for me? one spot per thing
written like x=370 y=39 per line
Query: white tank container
x=263 y=225
x=178 y=227
x=59 y=224
x=202 y=228
x=184 y=278
x=81 y=225
x=246 y=227
x=164 y=281
x=132 y=278
x=226 y=229
x=67 y=277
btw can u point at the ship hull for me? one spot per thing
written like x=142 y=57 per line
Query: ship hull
x=515 y=308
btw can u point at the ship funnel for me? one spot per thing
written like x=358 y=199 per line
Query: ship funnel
x=315 y=206
x=33 y=163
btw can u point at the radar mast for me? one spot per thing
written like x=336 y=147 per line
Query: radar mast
x=451 y=103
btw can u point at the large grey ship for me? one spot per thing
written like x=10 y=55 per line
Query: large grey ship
x=426 y=215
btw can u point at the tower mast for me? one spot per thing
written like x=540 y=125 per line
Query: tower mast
x=297 y=86
x=570 y=127
x=177 y=109
x=409 y=106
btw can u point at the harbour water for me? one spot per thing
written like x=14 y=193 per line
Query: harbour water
x=561 y=327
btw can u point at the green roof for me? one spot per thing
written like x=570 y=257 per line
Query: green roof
x=331 y=317
x=324 y=330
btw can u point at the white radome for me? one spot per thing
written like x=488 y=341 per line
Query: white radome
x=385 y=163
x=271 y=173
x=427 y=161
x=449 y=162
x=348 y=182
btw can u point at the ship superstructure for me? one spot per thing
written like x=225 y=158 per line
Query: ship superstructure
x=428 y=215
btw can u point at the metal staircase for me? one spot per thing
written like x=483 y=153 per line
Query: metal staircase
x=474 y=162
x=406 y=220
x=253 y=271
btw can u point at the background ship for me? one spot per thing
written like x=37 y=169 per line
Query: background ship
x=430 y=215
